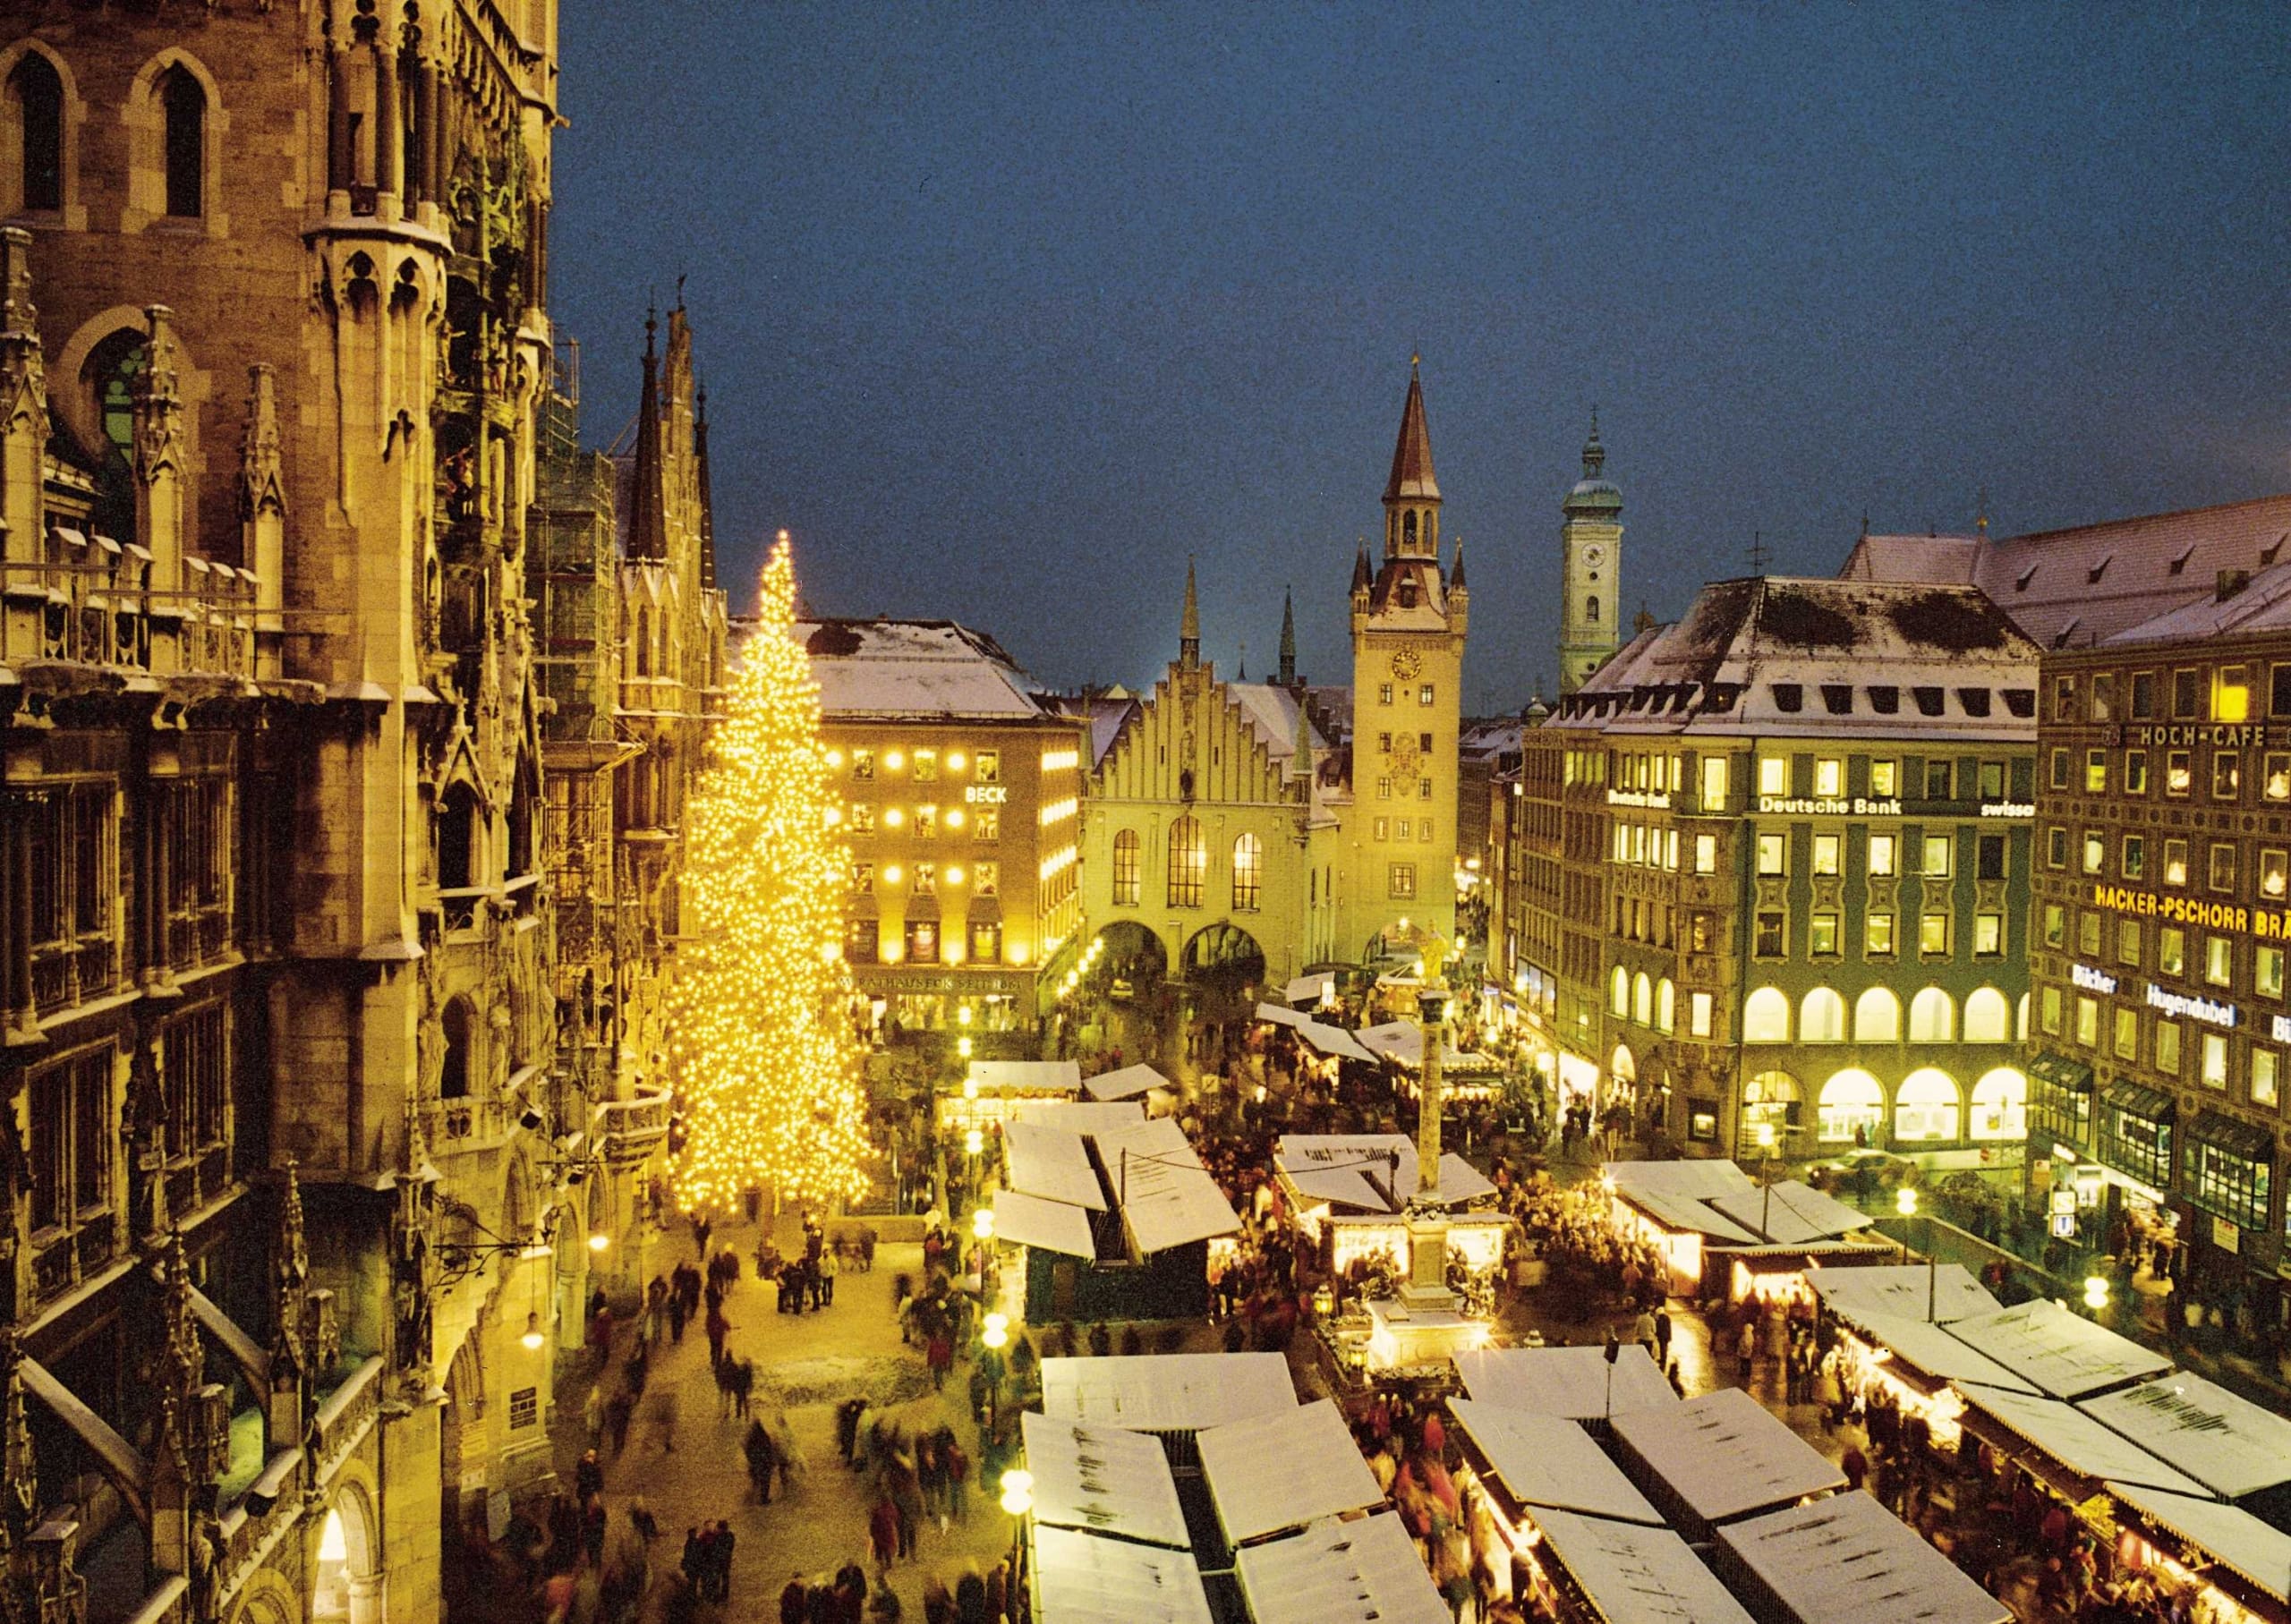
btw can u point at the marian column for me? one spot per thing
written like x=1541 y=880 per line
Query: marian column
x=1427 y=1219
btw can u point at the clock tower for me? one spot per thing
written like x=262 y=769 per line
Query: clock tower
x=1590 y=564
x=1409 y=617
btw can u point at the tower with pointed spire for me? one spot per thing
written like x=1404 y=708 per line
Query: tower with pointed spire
x=1408 y=622
x=1590 y=569
x=1189 y=624
x=1287 y=675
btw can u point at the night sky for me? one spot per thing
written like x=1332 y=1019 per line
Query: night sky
x=1003 y=310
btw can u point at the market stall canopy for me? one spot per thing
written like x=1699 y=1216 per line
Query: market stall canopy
x=1328 y=1040
x=1402 y=1042
x=1930 y=1348
x=1106 y=1479
x=1082 y=1579
x=1725 y=1455
x=1355 y=1169
x=1127 y=1083
x=1050 y=1162
x=1167 y=1392
x=2077 y=1441
x=2230 y=1535
x=1547 y=1461
x=1027 y=1077
x=1166 y=1195
x=1284 y=1469
x=1278 y=1015
x=1789 y=1213
x=1078 y=1116
x=1054 y=1226
x=1311 y=989
x=2228 y=1444
x=1365 y=1571
x=1848 y=1558
x=1677 y=1195
x=1903 y=1290
x=1569 y=1382
x=2064 y=1353
x=1632 y=1575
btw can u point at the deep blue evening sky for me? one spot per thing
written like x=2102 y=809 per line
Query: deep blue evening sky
x=1003 y=310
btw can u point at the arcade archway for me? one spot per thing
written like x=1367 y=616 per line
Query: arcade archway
x=1223 y=961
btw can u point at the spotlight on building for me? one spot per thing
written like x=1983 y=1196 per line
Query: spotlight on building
x=533 y=1339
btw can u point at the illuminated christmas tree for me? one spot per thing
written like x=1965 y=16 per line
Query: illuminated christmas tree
x=770 y=1060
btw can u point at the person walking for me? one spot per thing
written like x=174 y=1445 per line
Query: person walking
x=882 y=1532
x=824 y=1281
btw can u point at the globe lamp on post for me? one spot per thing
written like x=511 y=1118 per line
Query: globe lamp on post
x=1017 y=1500
x=2096 y=1293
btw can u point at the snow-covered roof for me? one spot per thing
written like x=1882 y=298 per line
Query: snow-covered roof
x=1677 y=1195
x=2228 y=1444
x=2232 y=1536
x=1789 y=1213
x=1126 y=1083
x=1365 y=1571
x=1548 y=1460
x=1574 y=1383
x=918 y=669
x=1905 y=1290
x=1107 y=714
x=1725 y=1455
x=1050 y=1162
x=1167 y=1392
x=1079 y=1116
x=1350 y=1170
x=1027 y=1077
x=1283 y=1469
x=2263 y=606
x=1402 y=1042
x=2077 y=1441
x=1106 y=1479
x=1309 y=989
x=1271 y=713
x=1054 y=1226
x=1634 y=1575
x=1166 y=1195
x=1083 y=1579
x=1931 y=1348
x=1848 y=1558
x=2063 y=1353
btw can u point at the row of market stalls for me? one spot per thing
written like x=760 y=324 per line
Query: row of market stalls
x=1722 y=1234
x=995 y=1092
x=1349 y=1195
x=1591 y=1486
x=2177 y=1471
x=1194 y=1489
x=1394 y=1046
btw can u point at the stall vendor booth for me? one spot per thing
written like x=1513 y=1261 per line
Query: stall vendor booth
x=2064 y=1448
x=1937 y=1293
x=1279 y=1471
x=2237 y=1567
x=1720 y=1233
x=2060 y=1354
x=2234 y=1448
x=1846 y=1559
x=991 y=1091
x=1349 y=1193
x=1916 y=1367
x=1080 y=1579
x=1400 y=1045
x=1588 y=1570
x=1362 y=1570
x=1717 y=1458
x=1103 y=1480
x=1169 y=1394
x=1571 y=1383
x=1140 y=1082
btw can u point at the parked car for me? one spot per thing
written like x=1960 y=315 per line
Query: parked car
x=1124 y=991
x=1863 y=1172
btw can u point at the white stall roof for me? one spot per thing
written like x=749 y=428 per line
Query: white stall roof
x=1725 y=1454
x=1284 y=1469
x=1165 y=1192
x=1792 y=1214
x=1677 y=1195
x=1569 y=1382
x=1637 y=1576
x=1904 y=1290
x=1054 y=1226
x=1079 y=1116
x=1365 y=1571
x=1027 y=1077
x=2229 y=1445
x=1106 y=1479
x=2234 y=1537
x=1332 y=1041
x=1338 y=1166
x=2077 y=1441
x=1127 y=1083
x=1050 y=1162
x=1083 y=1579
x=1931 y=1348
x=1310 y=989
x=1548 y=1460
x=1278 y=1015
x=1402 y=1043
x=2064 y=1353
x=1167 y=1392
x=1848 y=1558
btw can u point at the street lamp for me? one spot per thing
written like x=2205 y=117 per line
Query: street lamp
x=600 y=1241
x=1905 y=1204
x=974 y=1142
x=2096 y=1292
x=1017 y=1500
x=981 y=1223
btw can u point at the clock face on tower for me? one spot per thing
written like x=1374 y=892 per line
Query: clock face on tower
x=1406 y=664
x=1595 y=555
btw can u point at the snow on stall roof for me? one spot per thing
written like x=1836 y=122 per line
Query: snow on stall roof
x=1362 y=1157
x=1402 y=1042
x=1165 y=1193
x=1167 y=1392
x=1931 y=1348
x=1082 y=1579
x=913 y=668
x=2228 y=1444
x=2064 y=1353
x=1791 y=1213
x=2232 y=1536
x=1053 y=1226
x=1027 y=1077
x=1550 y=1461
x=1570 y=1382
x=1725 y=1454
x=1079 y=1116
x=1848 y=1558
x=2077 y=1441
x=1283 y=1469
x=1106 y=1479
x=1126 y=1083
x=1903 y=1290
x=1308 y=988
x=1634 y=1575
x=1281 y=1014
x=1365 y=1571
x=1050 y=1162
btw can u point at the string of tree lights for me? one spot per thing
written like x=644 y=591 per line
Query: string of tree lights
x=770 y=1063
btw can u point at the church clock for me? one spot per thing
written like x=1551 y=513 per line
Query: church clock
x=1406 y=664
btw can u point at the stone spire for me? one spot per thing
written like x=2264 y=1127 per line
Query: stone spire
x=707 y=497
x=1189 y=624
x=1412 y=477
x=647 y=526
x=1287 y=673
x=1456 y=575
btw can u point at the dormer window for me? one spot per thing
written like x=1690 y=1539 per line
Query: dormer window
x=1974 y=702
x=1885 y=700
x=2093 y=575
x=1837 y=697
x=1789 y=698
x=2026 y=575
x=2180 y=565
x=1408 y=582
x=1930 y=701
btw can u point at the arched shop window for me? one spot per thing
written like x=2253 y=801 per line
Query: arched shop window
x=2000 y=1105
x=1852 y=1109
x=1766 y=1016
x=1925 y=1107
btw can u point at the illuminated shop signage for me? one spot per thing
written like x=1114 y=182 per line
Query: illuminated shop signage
x=986 y=794
x=2009 y=809
x=1639 y=797
x=2273 y=923
x=1828 y=806
x=2092 y=980
x=2192 y=1008
x=2280 y=1028
x=2231 y=735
